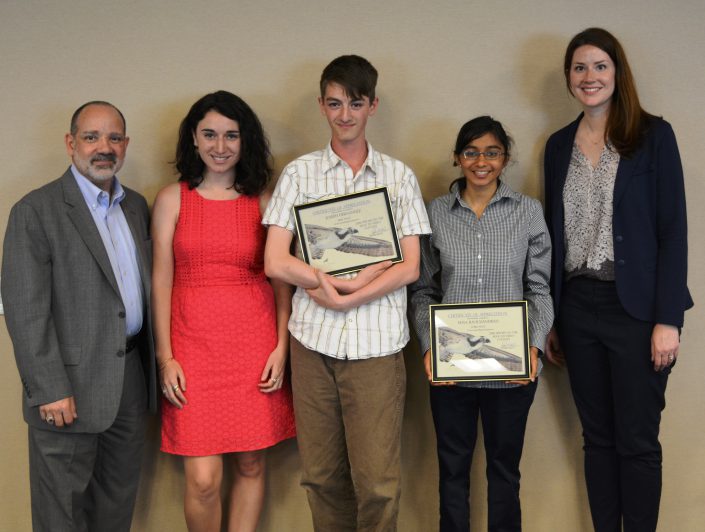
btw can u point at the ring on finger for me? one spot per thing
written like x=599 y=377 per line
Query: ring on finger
x=50 y=420
x=175 y=387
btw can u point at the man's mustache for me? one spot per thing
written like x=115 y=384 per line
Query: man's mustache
x=104 y=157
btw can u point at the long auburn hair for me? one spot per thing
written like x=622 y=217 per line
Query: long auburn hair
x=627 y=122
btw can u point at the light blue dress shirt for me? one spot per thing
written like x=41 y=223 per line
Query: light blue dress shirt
x=119 y=245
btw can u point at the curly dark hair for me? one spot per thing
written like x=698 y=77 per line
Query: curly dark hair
x=253 y=171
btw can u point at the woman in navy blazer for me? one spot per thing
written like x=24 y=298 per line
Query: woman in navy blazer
x=615 y=208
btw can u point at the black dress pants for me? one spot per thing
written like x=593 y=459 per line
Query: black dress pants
x=619 y=398
x=455 y=415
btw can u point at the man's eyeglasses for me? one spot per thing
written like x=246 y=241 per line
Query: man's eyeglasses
x=471 y=155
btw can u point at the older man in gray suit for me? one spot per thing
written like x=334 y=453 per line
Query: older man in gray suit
x=76 y=289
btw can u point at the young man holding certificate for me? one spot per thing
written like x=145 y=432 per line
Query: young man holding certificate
x=347 y=332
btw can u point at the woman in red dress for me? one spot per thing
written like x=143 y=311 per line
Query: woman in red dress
x=221 y=326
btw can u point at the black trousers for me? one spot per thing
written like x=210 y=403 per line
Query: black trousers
x=619 y=398
x=455 y=415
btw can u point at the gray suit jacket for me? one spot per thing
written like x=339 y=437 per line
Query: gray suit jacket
x=63 y=307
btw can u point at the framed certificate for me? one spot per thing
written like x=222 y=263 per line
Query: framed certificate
x=346 y=233
x=480 y=342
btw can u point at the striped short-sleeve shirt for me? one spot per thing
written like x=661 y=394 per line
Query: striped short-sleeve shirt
x=379 y=327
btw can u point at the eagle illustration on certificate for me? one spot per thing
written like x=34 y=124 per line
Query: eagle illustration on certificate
x=475 y=348
x=345 y=233
x=347 y=240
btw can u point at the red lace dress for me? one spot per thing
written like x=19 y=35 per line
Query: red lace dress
x=223 y=328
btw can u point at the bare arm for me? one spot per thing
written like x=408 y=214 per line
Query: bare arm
x=282 y=299
x=362 y=278
x=280 y=264
x=164 y=217
x=393 y=278
x=272 y=377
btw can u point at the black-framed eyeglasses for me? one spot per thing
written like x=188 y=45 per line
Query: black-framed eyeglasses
x=471 y=155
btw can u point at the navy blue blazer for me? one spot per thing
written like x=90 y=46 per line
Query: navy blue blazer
x=649 y=228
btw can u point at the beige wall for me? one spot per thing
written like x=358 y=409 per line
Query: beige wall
x=441 y=63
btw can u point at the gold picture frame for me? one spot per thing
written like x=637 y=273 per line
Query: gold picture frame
x=480 y=341
x=345 y=233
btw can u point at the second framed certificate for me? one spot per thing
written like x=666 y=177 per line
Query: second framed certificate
x=346 y=233
x=480 y=341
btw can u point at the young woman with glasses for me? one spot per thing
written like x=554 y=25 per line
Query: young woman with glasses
x=489 y=244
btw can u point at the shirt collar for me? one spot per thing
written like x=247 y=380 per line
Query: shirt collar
x=503 y=191
x=94 y=195
x=331 y=159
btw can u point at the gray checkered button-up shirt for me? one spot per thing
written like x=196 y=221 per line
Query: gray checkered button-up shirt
x=377 y=328
x=503 y=256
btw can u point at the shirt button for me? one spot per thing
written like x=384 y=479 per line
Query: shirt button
x=621 y=262
x=121 y=314
x=619 y=238
x=121 y=353
x=479 y=257
x=479 y=281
